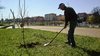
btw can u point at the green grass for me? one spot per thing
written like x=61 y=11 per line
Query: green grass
x=10 y=39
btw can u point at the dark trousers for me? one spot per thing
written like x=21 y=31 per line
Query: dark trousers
x=72 y=27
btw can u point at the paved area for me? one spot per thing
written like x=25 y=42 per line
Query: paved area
x=79 y=31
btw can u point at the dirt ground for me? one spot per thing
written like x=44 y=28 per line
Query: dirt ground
x=92 y=32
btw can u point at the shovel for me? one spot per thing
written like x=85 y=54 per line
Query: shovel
x=53 y=38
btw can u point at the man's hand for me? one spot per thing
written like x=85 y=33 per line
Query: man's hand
x=65 y=25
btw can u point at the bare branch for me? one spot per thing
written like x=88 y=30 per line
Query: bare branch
x=12 y=13
x=13 y=17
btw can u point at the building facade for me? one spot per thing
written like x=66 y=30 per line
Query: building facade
x=60 y=17
x=50 y=17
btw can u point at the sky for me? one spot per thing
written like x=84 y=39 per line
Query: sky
x=42 y=7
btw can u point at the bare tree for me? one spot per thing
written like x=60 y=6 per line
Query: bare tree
x=96 y=14
x=2 y=7
x=22 y=14
x=96 y=11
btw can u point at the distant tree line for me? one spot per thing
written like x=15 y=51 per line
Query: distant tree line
x=94 y=18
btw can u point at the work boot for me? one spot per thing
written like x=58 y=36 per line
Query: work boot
x=73 y=45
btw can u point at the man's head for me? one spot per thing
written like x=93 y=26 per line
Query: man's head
x=61 y=6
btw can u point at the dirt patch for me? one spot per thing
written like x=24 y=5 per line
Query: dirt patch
x=29 y=45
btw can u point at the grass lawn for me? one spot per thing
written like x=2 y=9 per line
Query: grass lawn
x=11 y=40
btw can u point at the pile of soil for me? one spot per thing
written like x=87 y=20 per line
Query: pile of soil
x=29 y=45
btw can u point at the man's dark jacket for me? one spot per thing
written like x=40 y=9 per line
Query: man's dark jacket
x=70 y=15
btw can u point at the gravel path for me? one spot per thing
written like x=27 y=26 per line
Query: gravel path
x=79 y=31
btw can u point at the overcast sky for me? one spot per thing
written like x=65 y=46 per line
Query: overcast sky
x=42 y=7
